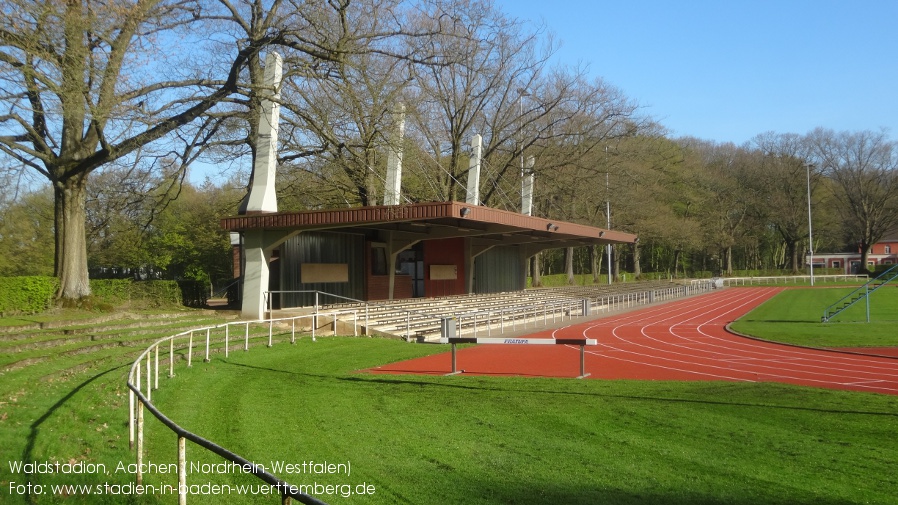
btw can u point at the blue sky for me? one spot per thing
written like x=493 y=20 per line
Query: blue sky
x=729 y=70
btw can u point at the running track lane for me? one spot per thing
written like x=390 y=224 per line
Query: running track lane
x=681 y=340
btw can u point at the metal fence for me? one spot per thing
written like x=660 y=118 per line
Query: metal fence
x=791 y=279
x=413 y=323
x=180 y=349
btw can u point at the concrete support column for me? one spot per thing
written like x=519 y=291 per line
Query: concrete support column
x=527 y=189
x=473 y=196
x=394 y=161
x=524 y=258
x=262 y=196
x=256 y=276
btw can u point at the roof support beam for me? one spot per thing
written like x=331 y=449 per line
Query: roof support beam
x=396 y=245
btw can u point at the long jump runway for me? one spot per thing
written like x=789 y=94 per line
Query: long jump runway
x=684 y=340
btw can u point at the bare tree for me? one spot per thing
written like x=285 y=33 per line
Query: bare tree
x=80 y=93
x=338 y=128
x=85 y=85
x=497 y=58
x=864 y=169
x=780 y=179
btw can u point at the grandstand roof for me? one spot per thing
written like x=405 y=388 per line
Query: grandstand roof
x=436 y=220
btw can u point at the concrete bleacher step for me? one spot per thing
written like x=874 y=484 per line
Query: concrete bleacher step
x=420 y=317
x=62 y=344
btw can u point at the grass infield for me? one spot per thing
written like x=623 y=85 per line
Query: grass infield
x=793 y=316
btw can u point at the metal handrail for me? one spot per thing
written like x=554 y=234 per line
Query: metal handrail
x=367 y=305
x=827 y=315
x=626 y=298
x=777 y=279
x=220 y=291
x=138 y=400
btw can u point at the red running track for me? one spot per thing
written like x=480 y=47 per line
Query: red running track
x=683 y=340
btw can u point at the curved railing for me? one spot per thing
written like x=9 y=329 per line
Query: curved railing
x=143 y=378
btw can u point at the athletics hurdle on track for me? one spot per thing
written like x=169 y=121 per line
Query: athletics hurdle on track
x=521 y=341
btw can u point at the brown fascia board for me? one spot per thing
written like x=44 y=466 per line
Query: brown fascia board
x=431 y=211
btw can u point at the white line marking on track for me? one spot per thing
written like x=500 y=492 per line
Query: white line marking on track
x=690 y=333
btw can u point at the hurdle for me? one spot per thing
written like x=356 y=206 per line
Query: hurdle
x=520 y=341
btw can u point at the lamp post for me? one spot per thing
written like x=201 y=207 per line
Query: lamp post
x=608 y=215
x=810 y=229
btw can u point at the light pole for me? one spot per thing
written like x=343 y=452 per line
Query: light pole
x=608 y=215
x=810 y=230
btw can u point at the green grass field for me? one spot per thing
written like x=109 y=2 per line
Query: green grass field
x=794 y=317
x=434 y=440
x=437 y=440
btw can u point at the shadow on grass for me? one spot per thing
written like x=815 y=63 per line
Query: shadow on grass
x=36 y=425
x=439 y=382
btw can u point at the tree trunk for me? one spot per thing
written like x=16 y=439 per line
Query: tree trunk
x=71 y=242
x=569 y=264
x=615 y=264
x=729 y=261
x=595 y=261
x=865 y=255
x=793 y=251
x=637 y=267
x=535 y=273
x=676 y=263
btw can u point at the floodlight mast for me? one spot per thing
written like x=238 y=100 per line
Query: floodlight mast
x=808 y=166
x=608 y=216
x=608 y=213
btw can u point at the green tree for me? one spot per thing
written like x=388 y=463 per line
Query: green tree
x=86 y=85
x=26 y=235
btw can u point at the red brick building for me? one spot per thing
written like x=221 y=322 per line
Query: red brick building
x=884 y=252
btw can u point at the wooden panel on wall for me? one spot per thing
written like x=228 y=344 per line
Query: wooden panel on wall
x=444 y=253
x=324 y=272
x=443 y=272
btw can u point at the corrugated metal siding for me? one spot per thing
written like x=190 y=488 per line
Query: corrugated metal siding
x=499 y=269
x=322 y=247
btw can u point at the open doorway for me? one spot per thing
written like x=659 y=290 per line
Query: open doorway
x=411 y=262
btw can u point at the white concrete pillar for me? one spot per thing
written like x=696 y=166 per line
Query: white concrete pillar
x=394 y=160
x=256 y=274
x=262 y=196
x=527 y=193
x=473 y=196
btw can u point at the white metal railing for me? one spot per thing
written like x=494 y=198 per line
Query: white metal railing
x=366 y=307
x=143 y=378
x=789 y=279
x=521 y=316
x=514 y=318
x=475 y=323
